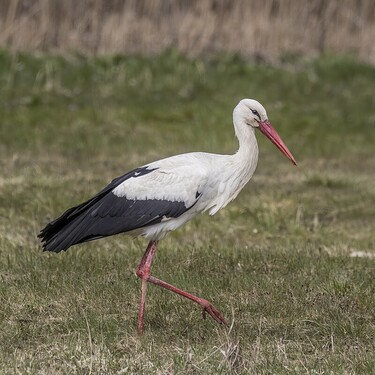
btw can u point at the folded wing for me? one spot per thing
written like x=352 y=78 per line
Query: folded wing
x=142 y=197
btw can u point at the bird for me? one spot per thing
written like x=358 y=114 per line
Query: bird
x=161 y=196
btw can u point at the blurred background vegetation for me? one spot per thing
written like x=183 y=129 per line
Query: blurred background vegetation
x=259 y=29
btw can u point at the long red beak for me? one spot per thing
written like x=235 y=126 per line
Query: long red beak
x=266 y=128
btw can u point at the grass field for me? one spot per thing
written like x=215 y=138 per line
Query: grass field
x=283 y=262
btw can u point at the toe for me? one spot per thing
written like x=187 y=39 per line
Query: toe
x=207 y=307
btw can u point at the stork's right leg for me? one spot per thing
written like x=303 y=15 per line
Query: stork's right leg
x=143 y=271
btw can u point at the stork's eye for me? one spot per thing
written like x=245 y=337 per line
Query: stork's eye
x=255 y=112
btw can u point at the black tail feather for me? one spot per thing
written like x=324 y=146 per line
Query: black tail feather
x=66 y=230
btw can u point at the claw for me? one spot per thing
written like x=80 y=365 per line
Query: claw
x=208 y=308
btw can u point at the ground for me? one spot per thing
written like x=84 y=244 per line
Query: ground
x=290 y=263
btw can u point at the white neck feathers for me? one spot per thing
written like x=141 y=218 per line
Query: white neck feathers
x=248 y=146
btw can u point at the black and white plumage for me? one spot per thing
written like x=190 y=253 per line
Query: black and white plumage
x=110 y=212
x=161 y=196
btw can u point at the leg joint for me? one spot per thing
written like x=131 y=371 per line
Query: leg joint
x=143 y=273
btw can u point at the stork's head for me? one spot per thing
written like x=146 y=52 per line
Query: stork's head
x=250 y=112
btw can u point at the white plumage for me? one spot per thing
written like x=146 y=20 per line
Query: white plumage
x=200 y=180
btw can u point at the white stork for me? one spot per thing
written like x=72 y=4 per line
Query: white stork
x=161 y=196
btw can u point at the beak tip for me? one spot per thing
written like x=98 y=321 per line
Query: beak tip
x=266 y=128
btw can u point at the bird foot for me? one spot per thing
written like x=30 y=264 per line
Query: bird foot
x=209 y=309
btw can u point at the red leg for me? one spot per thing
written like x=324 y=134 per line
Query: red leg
x=206 y=306
x=143 y=271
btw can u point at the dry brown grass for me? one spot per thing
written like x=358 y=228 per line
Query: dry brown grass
x=260 y=28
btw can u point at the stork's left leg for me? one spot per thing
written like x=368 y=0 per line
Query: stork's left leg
x=143 y=271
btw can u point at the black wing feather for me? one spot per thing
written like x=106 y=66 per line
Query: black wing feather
x=106 y=214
